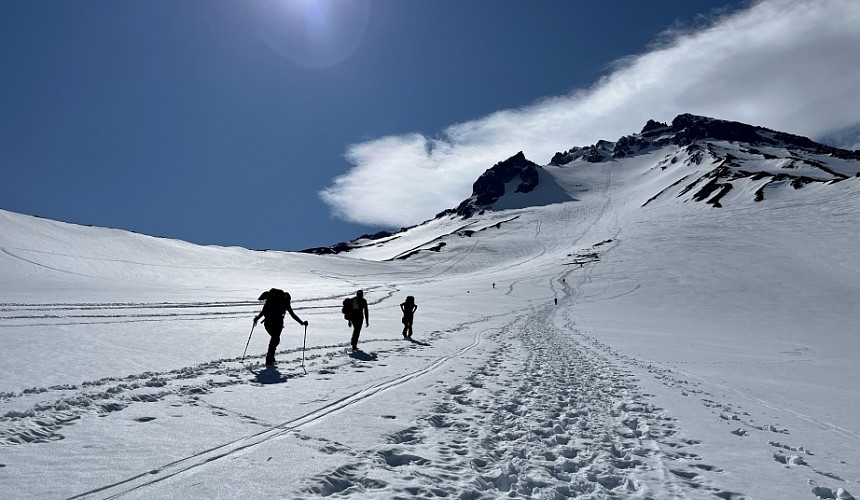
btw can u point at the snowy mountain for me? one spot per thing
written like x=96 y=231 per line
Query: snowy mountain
x=512 y=183
x=672 y=315
x=695 y=158
x=737 y=156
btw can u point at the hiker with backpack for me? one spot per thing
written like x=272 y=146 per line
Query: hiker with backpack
x=408 y=307
x=356 y=311
x=277 y=305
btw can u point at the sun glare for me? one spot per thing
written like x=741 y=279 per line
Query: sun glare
x=316 y=33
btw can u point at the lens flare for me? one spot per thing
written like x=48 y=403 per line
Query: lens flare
x=315 y=33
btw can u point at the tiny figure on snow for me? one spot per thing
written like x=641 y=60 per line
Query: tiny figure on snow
x=277 y=305
x=408 y=307
x=358 y=314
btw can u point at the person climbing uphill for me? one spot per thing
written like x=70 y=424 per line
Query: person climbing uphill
x=275 y=308
x=359 y=314
x=408 y=307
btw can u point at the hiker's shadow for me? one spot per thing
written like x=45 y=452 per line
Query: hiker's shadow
x=271 y=375
x=363 y=356
x=410 y=339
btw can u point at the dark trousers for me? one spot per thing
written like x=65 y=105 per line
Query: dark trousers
x=357 y=321
x=274 y=339
x=407 y=326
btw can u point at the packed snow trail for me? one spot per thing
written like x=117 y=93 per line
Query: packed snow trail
x=542 y=417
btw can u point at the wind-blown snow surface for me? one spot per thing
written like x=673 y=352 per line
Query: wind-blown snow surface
x=695 y=352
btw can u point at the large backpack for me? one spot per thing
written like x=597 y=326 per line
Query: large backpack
x=347 y=308
x=276 y=303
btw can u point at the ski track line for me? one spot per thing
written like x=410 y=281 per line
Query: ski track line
x=7 y=252
x=194 y=311
x=827 y=425
x=105 y=259
x=95 y=306
x=98 y=306
x=199 y=459
x=111 y=313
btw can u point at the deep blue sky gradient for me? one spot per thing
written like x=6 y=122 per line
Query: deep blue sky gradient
x=178 y=119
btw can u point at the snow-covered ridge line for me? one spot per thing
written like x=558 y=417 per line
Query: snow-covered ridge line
x=687 y=129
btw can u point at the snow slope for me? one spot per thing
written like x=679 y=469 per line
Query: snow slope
x=695 y=351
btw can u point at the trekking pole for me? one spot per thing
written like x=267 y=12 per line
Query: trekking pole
x=304 y=343
x=247 y=343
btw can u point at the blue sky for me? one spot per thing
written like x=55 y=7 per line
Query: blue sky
x=296 y=123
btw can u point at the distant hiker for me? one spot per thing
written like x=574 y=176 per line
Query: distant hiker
x=408 y=307
x=276 y=307
x=494 y=285
x=556 y=300
x=359 y=314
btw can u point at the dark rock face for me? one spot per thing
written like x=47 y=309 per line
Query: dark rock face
x=332 y=250
x=375 y=236
x=490 y=186
x=629 y=145
x=346 y=246
x=687 y=129
x=690 y=128
x=592 y=154
x=652 y=125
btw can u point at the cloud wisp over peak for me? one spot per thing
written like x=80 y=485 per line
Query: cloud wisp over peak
x=788 y=65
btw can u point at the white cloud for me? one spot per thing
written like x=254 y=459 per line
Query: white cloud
x=789 y=65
